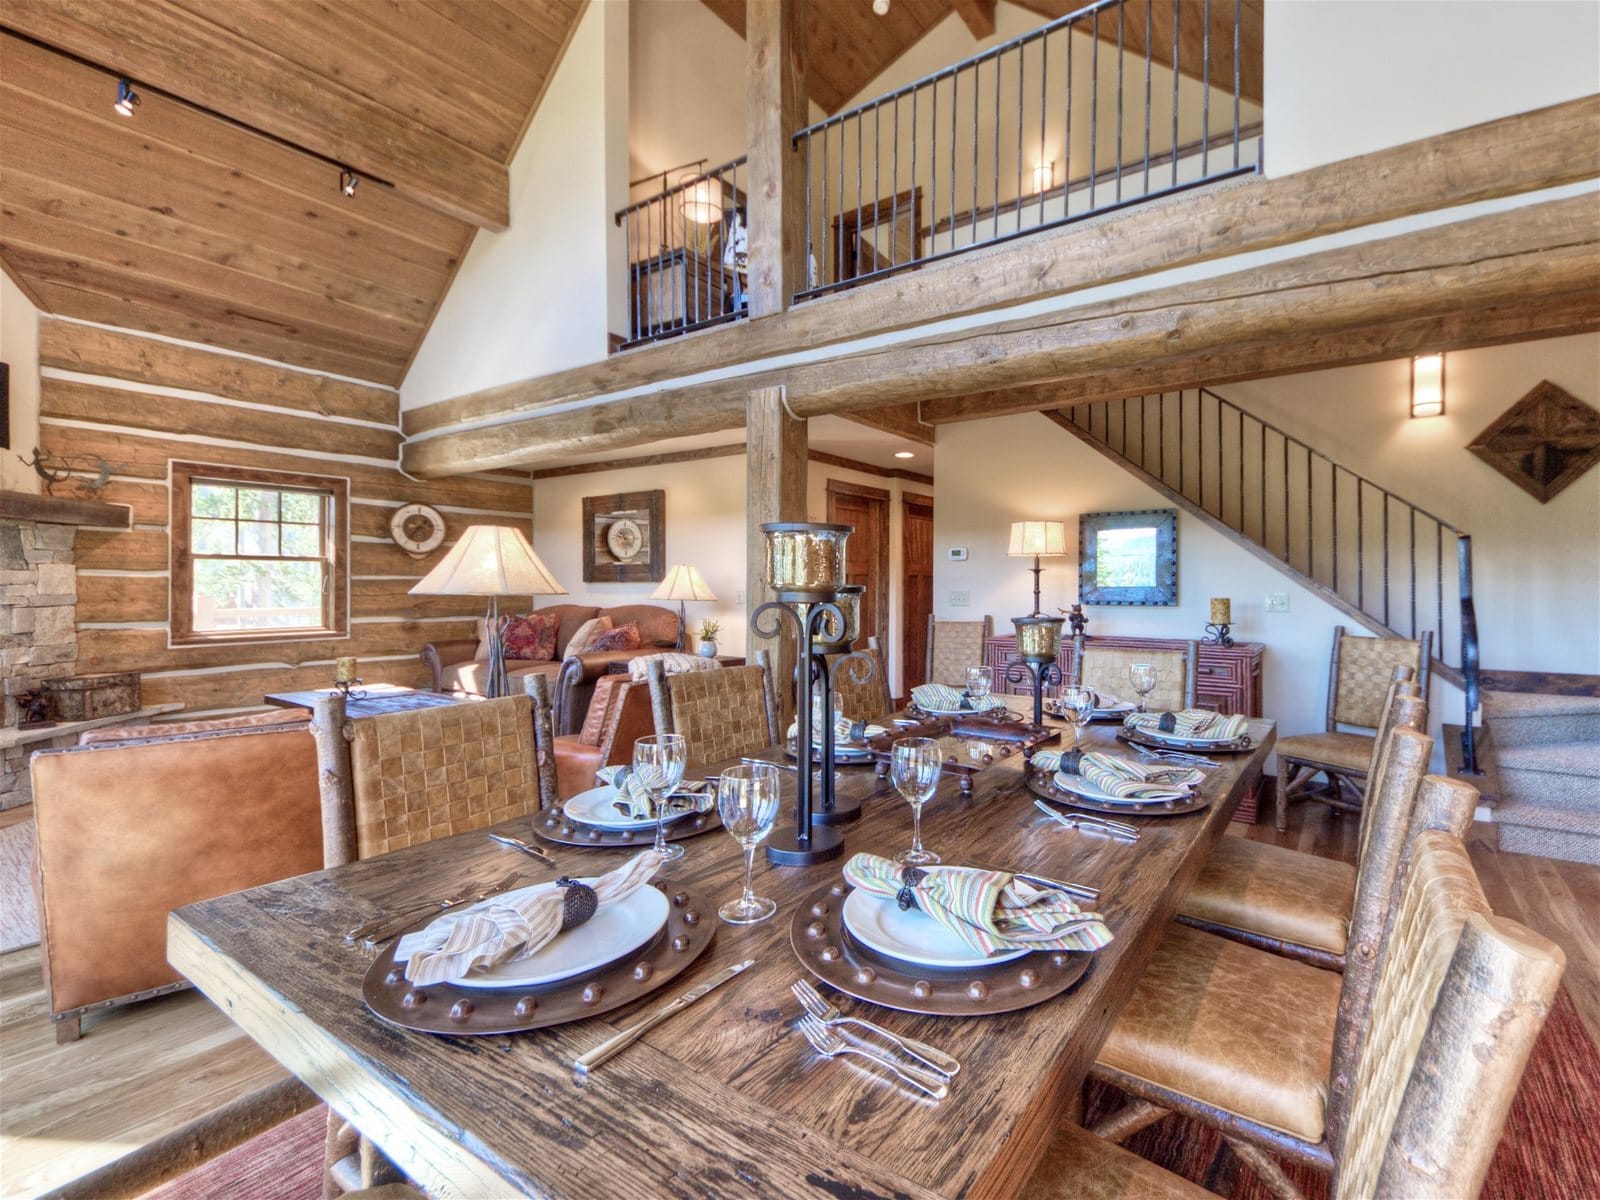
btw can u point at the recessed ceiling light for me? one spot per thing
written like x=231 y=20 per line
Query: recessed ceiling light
x=127 y=98
x=904 y=454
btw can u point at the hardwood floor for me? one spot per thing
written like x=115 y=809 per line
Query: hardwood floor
x=1544 y=894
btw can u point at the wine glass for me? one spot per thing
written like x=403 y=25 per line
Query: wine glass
x=658 y=761
x=1143 y=676
x=914 y=771
x=747 y=802
x=978 y=685
x=1078 y=704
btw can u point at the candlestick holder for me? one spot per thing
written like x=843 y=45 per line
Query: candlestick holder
x=1218 y=635
x=1038 y=675
x=833 y=809
x=1038 y=644
x=348 y=689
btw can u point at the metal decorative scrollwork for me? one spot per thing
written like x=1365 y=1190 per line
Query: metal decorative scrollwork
x=1038 y=675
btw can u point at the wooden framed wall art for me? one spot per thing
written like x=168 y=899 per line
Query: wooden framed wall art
x=1128 y=558
x=624 y=538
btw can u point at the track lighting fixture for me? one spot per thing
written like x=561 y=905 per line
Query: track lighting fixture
x=127 y=98
x=348 y=180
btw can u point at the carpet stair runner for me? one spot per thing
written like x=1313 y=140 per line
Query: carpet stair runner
x=1547 y=758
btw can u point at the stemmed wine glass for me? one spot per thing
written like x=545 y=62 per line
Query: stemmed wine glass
x=658 y=761
x=1079 y=705
x=914 y=771
x=747 y=802
x=978 y=684
x=1143 y=676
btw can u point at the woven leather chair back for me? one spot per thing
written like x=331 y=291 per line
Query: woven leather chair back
x=1105 y=669
x=437 y=771
x=953 y=646
x=1458 y=1002
x=1361 y=671
x=722 y=714
x=867 y=701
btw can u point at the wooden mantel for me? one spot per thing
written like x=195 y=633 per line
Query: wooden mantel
x=64 y=510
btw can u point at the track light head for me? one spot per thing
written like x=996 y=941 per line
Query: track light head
x=127 y=98
x=348 y=180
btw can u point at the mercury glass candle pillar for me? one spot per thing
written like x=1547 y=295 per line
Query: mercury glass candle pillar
x=1038 y=643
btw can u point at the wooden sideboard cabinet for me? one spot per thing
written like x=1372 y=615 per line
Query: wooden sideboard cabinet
x=1227 y=678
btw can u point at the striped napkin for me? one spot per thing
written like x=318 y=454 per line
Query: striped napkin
x=842 y=727
x=511 y=926
x=1190 y=723
x=1120 y=778
x=988 y=910
x=633 y=798
x=936 y=697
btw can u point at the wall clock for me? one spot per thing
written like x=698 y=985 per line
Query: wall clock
x=417 y=529
x=624 y=538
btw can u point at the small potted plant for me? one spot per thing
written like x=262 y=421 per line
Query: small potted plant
x=708 y=638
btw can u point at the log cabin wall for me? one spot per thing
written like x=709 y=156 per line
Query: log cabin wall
x=139 y=403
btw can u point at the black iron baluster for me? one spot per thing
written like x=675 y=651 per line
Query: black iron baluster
x=1176 y=38
x=1121 y=57
x=1311 y=499
x=1438 y=583
x=1161 y=436
x=1094 y=114
x=955 y=106
x=933 y=163
x=1333 y=508
x=1205 y=94
x=691 y=259
x=822 y=263
x=998 y=59
x=1361 y=548
x=1386 y=499
x=1238 y=19
x=1066 y=136
x=1183 y=446
x=1241 y=477
x=1413 y=557
x=877 y=182
x=1022 y=79
x=916 y=216
x=860 y=240
x=977 y=91
x=839 y=240
x=1044 y=89
x=1148 y=13
x=1287 y=531
x=894 y=192
x=810 y=213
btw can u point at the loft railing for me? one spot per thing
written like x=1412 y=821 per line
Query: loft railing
x=1365 y=549
x=1072 y=119
x=686 y=254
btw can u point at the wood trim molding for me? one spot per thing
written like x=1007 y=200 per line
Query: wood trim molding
x=843 y=487
x=648 y=460
x=916 y=500
x=866 y=468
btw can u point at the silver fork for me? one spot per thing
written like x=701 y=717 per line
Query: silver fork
x=813 y=1002
x=1117 y=829
x=830 y=1044
x=1177 y=756
x=379 y=931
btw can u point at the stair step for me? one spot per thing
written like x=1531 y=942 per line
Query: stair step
x=1525 y=719
x=1538 y=829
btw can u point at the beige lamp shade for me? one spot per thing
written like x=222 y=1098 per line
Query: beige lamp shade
x=490 y=560
x=1044 y=539
x=683 y=582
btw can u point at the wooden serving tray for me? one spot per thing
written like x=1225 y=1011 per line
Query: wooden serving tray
x=971 y=743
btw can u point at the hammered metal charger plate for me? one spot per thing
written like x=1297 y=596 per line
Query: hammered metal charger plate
x=826 y=949
x=1240 y=745
x=553 y=826
x=1043 y=784
x=463 y=1012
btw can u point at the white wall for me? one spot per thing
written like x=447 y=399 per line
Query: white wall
x=687 y=76
x=534 y=299
x=19 y=347
x=1344 y=79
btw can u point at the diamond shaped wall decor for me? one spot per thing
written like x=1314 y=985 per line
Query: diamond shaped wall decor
x=1543 y=442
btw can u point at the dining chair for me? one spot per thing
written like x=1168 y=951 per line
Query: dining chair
x=953 y=646
x=1291 y=902
x=868 y=700
x=721 y=714
x=1264 y=1049
x=1105 y=669
x=619 y=714
x=1359 y=671
x=1457 y=1007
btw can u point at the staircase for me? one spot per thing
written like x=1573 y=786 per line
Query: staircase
x=1547 y=759
x=1373 y=555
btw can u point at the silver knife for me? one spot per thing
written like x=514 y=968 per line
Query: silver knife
x=621 y=1041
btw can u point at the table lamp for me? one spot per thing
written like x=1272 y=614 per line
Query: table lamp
x=492 y=561
x=1036 y=540
x=682 y=583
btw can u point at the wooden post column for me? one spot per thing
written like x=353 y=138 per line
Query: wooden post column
x=775 y=483
x=775 y=31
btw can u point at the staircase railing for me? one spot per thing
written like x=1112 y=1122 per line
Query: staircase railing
x=1368 y=551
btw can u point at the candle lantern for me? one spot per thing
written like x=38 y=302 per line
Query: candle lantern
x=344 y=677
x=1221 y=617
x=1038 y=643
x=805 y=560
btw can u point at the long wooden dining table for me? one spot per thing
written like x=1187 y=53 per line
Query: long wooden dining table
x=725 y=1099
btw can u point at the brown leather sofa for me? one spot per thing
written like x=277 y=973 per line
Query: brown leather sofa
x=619 y=715
x=455 y=667
x=130 y=829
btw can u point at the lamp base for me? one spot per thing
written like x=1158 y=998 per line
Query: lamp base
x=845 y=809
x=784 y=848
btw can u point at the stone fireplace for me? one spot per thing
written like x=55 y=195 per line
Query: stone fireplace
x=38 y=630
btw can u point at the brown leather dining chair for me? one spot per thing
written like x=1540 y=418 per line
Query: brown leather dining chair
x=1457 y=1007
x=721 y=714
x=619 y=715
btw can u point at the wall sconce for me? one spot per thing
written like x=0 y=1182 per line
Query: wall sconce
x=1044 y=176
x=1427 y=385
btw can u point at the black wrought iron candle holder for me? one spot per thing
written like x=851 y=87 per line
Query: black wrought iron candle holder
x=833 y=809
x=1218 y=635
x=1039 y=674
x=1038 y=644
x=348 y=688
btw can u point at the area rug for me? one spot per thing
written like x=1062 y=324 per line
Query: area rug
x=280 y=1163
x=1548 y=1151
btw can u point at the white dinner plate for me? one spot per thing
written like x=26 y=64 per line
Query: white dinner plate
x=841 y=754
x=1079 y=786
x=911 y=935
x=597 y=807
x=615 y=930
x=1198 y=743
x=998 y=706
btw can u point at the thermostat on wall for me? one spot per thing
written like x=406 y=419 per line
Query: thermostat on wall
x=957 y=553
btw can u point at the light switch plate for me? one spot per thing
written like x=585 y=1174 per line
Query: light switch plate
x=1277 y=601
x=960 y=599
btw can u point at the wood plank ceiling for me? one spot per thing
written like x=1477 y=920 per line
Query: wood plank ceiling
x=185 y=222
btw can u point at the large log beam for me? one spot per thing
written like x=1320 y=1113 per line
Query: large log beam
x=1519 y=154
x=1526 y=256
x=775 y=106
x=155 y=42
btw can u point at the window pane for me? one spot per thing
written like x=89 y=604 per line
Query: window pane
x=257 y=595
x=256 y=504
x=211 y=537
x=211 y=500
x=302 y=541
x=258 y=537
x=302 y=506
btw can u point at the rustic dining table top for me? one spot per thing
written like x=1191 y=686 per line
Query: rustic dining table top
x=724 y=1099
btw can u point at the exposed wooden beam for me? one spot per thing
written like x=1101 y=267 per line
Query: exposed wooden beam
x=1518 y=154
x=647 y=460
x=1503 y=259
x=978 y=14
x=159 y=44
x=775 y=106
x=902 y=420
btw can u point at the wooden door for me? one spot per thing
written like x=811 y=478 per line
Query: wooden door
x=917 y=591
x=867 y=551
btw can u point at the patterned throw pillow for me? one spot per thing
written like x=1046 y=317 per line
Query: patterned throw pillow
x=531 y=638
x=623 y=637
x=584 y=634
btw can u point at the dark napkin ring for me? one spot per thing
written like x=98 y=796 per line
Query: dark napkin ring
x=906 y=897
x=578 y=904
x=1168 y=722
